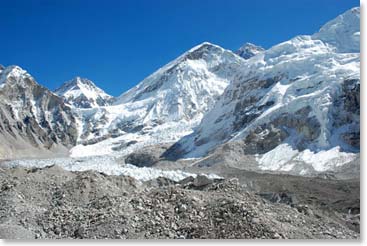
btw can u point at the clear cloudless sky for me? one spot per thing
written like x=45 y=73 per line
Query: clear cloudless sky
x=117 y=43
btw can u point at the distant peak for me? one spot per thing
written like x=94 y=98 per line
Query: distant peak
x=250 y=45
x=198 y=51
x=81 y=80
x=203 y=45
x=83 y=93
x=249 y=50
x=78 y=82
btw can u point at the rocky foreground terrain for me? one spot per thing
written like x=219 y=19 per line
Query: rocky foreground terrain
x=54 y=203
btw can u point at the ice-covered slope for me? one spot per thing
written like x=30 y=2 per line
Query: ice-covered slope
x=34 y=122
x=249 y=50
x=295 y=106
x=163 y=107
x=83 y=93
x=343 y=32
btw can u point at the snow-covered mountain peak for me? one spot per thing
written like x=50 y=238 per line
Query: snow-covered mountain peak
x=343 y=32
x=83 y=93
x=249 y=50
x=163 y=107
x=12 y=75
x=203 y=67
x=202 y=45
x=201 y=49
x=78 y=83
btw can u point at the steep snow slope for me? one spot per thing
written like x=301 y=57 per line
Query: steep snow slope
x=186 y=87
x=249 y=50
x=83 y=93
x=34 y=122
x=343 y=32
x=295 y=106
x=163 y=107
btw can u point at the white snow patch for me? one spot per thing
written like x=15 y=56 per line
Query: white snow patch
x=277 y=157
x=284 y=158
x=326 y=159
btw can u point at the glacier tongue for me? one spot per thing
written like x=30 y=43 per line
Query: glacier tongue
x=107 y=165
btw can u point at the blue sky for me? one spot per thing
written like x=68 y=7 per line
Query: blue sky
x=117 y=43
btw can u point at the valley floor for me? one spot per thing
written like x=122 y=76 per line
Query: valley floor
x=51 y=202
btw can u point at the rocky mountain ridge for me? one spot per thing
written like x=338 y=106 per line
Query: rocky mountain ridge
x=34 y=121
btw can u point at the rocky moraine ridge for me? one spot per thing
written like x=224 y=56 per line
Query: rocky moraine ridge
x=56 y=204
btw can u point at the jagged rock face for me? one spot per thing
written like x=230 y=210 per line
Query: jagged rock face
x=249 y=50
x=83 y=93
x=296 y=102
x=349 y=121
x=166 y=105
x=34 y=121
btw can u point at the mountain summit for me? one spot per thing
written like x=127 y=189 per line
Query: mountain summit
x=186 y=87
x=249 y=50
x=83 y=93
